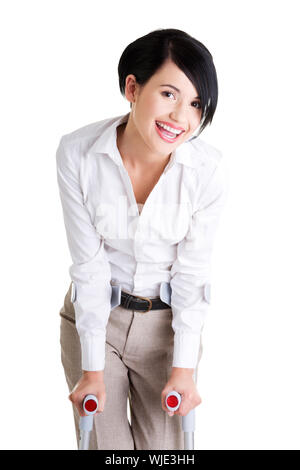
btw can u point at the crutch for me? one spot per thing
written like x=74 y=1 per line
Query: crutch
x=173 y=400
x=90 y=406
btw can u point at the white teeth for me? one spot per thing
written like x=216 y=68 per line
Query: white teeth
x=168 y=128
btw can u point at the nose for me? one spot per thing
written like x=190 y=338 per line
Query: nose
x=178 y=115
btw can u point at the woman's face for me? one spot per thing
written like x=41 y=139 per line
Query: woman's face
x=158 y=102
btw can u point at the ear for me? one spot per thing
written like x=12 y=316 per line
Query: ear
x=131 y=88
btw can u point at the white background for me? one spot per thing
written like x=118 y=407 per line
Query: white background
x=59 y=72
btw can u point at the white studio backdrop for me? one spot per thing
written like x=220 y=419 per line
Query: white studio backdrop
x=59 y=72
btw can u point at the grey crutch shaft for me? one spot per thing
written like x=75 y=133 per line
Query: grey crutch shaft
x=173 y=400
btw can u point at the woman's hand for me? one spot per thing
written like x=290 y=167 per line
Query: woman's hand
x=181 y=380
x=91 y=382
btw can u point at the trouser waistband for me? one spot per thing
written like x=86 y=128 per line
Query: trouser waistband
x=142 y=304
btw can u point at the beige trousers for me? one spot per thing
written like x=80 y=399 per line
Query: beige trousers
x=138 y=363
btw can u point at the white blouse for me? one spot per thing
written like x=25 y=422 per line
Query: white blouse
x=115 y=242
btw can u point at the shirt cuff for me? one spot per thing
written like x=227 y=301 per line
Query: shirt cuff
x=186 y=349
x=92 y=352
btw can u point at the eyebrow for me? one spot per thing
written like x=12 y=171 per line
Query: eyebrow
x=172 y=86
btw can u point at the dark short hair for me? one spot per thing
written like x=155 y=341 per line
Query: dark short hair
x=144 y=56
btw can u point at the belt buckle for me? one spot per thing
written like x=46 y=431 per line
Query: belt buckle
x=145 y=298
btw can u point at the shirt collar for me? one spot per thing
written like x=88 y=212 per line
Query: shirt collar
x=106 y=143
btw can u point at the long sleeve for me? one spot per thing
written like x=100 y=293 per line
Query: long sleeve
x=90 y=271
x=190 y=272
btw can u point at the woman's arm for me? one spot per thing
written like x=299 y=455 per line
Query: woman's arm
x=190 y=284
x=190 y=272
x=90 y=271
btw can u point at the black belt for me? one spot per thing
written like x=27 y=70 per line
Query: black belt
x=143 y=304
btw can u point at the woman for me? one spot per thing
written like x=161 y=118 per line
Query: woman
x=142 y=196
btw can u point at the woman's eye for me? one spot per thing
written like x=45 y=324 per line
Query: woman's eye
x=198 y=103
x=164 y=93
x=167 y=92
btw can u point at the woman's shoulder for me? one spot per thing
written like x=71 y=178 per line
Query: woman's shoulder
x=86 y=132
x=75 y=145
x=205 y=158
x=204 y=152
x=211 y=165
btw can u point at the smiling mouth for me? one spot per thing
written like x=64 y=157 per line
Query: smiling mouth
x=166 y=134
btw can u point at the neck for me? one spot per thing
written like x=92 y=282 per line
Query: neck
x=133 y=149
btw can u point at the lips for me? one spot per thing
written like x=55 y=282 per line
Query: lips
x=171 y=125
x=165 y=135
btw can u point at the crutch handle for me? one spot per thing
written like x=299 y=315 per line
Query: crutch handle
x=173 y=400
x=90 y=406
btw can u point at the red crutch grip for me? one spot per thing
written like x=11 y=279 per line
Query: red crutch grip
x=173 y=400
